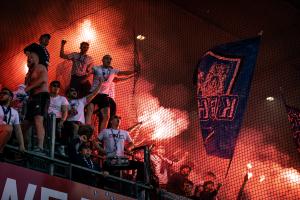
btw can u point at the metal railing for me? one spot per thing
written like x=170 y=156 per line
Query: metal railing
x=70 y=166
x=51 y=161
x=142 y=190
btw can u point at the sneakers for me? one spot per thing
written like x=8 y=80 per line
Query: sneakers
x=39 y=151
x=61 y=150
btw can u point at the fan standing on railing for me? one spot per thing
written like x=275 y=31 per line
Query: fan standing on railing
x=37 y=87
x=105 y=99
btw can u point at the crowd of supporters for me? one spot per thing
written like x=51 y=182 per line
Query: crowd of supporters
x=24 y=112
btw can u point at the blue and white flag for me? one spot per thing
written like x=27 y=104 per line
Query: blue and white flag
x=223 y=82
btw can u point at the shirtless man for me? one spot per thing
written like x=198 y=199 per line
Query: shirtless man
x=36 y=87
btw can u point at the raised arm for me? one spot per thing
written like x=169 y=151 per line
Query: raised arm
x=117 y=79
x=125 y=73
x=90 y=97
x=62 y=50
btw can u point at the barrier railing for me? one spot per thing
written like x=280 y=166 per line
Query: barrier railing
x=142 y=190
x=140 y=187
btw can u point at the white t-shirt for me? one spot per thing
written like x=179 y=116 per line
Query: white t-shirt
x=13 y=114
x=55 y=105
x=114 y=141
x=77 y=105
x=112 y=90
x=107 y=75
x=80 y=63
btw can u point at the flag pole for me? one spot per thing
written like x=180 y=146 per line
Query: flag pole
x=228 y=167
x=282 y=96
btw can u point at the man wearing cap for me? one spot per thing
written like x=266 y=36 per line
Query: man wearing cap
x=59 y=107
x=36 y=87
x=81 y=67
x=9 y=120
x=105 y=98
x=44 y=41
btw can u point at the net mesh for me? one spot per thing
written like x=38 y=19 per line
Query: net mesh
x=164 y=97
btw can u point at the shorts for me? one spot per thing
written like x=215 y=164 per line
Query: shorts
x=38 y=104
x=69 y=131
x=102 y=100
x=81 y=84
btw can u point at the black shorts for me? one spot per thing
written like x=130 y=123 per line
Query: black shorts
x=81 y=84
x=38 y=104
x=68 y=131
x=102 y=100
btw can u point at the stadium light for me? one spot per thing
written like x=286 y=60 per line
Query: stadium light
x=140 y=37
x=270 y=98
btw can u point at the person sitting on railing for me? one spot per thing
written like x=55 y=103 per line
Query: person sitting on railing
x=76 y=111
x=59 y=107
x=114 y=146
x=9 y=120
x=84 y=134
x=84 y=159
